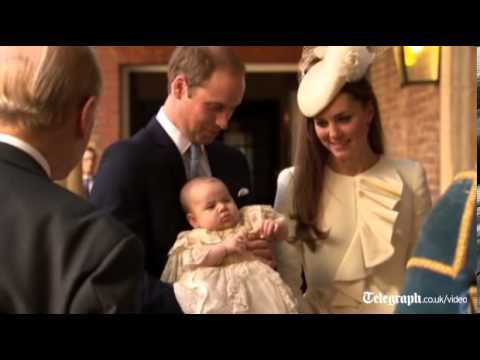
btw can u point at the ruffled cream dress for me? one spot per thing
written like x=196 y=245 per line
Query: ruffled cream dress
x=243 y=284
x=373 y=221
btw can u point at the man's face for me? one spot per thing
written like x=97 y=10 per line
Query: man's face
x=208 y=109
x=88 y=163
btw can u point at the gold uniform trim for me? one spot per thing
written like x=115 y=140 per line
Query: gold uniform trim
x=463 y=236
x=474 y=299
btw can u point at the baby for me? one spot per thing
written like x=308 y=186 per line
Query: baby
x=210 y=266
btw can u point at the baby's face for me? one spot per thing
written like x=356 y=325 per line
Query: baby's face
x=212 y=207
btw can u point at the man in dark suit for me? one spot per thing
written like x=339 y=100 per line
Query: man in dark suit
x=139 y=180
x=57 y=253
x=89 y=163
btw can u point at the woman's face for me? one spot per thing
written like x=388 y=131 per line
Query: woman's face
x=343 y=127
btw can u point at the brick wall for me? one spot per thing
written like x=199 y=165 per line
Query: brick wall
x=410 y=117
x=112 y=58
x=410 y=114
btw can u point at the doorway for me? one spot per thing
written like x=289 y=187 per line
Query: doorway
x=260 y=127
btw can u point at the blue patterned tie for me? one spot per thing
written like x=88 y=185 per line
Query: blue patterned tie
x=195 y=161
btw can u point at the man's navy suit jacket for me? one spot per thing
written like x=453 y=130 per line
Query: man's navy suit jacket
x=139 y=182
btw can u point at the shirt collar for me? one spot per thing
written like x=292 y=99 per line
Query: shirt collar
x=29 y=149
x=181 y=141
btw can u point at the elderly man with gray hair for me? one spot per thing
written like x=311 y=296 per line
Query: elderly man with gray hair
x=57 y=254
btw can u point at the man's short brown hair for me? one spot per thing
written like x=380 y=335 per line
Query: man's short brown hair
x=198 y=63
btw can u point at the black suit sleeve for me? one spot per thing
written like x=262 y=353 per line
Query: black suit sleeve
x=114 y=284
x=158 y=297
x=119 y=188
x=139 y=185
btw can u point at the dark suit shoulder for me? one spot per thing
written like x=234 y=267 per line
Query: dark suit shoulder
x=87 y=260
x=84 y=218
x=127 y=152
x=132 y=155
x=45 y=205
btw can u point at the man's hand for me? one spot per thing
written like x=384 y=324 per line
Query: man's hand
x=261 y=247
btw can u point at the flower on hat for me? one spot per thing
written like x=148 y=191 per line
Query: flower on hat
x=353 y=67
x=310 y=56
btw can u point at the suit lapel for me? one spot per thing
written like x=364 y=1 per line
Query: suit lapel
x=217 y=159
x=215 y=164
x=156 y=135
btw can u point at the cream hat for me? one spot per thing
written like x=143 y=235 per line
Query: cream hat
x=338 y=65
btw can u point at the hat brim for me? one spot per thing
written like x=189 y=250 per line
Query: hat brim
x=313 y=95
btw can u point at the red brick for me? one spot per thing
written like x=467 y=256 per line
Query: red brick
x=411 y=118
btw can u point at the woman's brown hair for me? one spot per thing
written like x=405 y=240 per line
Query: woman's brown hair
x=310 y=162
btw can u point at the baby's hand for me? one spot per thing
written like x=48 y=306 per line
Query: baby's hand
x=261 y=247
x=268 y=230
x=236 y=244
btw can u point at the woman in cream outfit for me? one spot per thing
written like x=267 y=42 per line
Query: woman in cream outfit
x=353 y=243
